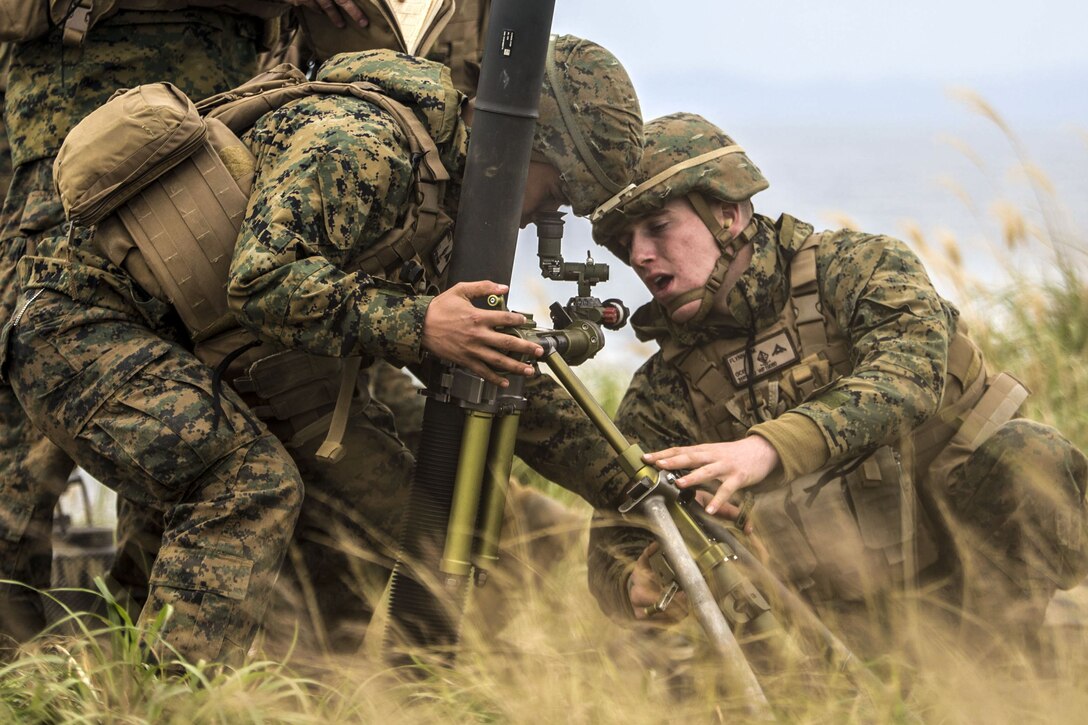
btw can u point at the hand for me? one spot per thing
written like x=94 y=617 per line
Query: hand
x=645 y=591
x=734 y=465
x=729 y=512
x=335 y=10
x=455 y=330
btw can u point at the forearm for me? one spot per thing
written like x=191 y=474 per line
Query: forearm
x=311 y=305
x=898 y=330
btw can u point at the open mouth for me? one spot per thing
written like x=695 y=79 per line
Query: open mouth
x=660 y=282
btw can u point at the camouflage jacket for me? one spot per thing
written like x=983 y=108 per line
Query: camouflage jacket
x=898 y=329
x=333 y=175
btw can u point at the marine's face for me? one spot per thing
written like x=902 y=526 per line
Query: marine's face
x=672 y=252
x=542 y=192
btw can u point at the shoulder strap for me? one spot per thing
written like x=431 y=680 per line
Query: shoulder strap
x=804 y=302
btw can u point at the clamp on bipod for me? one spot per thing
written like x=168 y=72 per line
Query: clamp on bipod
x=660 y=566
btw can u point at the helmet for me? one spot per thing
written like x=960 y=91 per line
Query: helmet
x=590 y=124
x=684 y=155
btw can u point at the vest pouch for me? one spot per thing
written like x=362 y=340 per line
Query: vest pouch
x=23 y=20
x=296 y=393
x=853 y=525
x=791 y=556
x=122 y=146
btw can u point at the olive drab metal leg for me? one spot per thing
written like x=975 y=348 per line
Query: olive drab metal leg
x=703 y=604
x=499 y=464
x=467 y=486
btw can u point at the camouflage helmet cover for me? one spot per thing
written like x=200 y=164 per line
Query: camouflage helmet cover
x=684 y=153
x=590 y=124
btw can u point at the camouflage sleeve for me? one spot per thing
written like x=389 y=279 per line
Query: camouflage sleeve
x=332 y=176
x=557 y=439
x=898 y=328
x=656 y=411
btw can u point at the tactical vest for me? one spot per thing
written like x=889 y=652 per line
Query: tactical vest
x=23 y=20
x=853 y=529
x=167 y=183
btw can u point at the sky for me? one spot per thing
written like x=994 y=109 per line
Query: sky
x=848 y=107
x=846 y=40
x=821 y=56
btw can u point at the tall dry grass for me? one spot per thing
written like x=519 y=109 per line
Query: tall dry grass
x=555 y=657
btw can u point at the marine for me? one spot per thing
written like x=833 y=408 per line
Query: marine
x=820 y=393
x=60 y=69
x=333 y=178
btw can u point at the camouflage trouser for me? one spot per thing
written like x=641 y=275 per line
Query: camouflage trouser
x=1016 y=514
x=200 y=51
x=145 y=417
x=33 y=471
x=345 y=539
x=33 y=474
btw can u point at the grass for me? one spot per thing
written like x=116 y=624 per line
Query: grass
x=554 y=657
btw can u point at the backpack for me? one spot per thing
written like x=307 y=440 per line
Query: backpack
x=166 y=183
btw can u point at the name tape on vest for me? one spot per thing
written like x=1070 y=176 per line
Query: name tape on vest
x=769 y=354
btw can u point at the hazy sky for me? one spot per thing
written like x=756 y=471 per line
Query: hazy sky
x=839 y=39
x=845 y=106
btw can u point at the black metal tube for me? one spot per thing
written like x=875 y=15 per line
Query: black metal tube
x=485 y=238
x=416 y=614
x=507 y=100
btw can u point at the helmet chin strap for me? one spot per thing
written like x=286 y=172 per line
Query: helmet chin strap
x=729 y=247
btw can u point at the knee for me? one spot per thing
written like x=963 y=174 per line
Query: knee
x=1046 y=476
x=1041 y=459
x=273 y=480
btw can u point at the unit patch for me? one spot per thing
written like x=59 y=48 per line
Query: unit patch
x=770 y=353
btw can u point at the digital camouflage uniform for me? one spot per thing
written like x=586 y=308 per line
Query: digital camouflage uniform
x=333 y=174
x=288 y=279
x=5 y=149
x=52 y=86
x=1011 y=512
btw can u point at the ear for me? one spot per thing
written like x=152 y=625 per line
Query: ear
x=727 y=212
x=736 y=215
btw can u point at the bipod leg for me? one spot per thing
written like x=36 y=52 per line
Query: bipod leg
x=797 y=610
x=704 y=606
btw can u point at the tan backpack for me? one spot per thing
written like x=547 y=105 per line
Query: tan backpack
x=167 y=182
